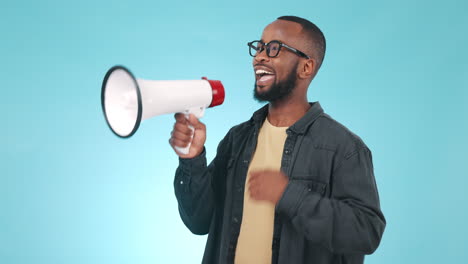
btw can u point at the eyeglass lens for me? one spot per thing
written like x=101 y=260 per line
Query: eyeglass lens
x=272 y=48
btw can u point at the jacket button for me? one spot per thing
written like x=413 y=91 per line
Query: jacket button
x=235 y=219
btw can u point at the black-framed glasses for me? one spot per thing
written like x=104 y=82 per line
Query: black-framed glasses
x=271 y=48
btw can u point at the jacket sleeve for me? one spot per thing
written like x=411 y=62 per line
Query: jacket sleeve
x=197 y=187
x=350 y=221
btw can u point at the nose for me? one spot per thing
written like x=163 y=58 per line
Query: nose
x=261 y=57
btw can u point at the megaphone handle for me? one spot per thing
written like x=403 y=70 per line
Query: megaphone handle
x=198 y=112
x=185 y=150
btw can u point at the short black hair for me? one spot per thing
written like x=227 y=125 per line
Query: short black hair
x=317 y=39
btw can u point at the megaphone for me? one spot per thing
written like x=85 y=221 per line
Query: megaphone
x=126 y=101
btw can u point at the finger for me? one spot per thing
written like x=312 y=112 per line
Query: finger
x=178 y=143
x=255 y=175
x=180 y=117
x=182 y=128
x=252 y=180
x=255 y=184
x=255 y=193
x=252 y=191
x=181 y=136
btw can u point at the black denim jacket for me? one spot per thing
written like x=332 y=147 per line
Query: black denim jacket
x=329 y=212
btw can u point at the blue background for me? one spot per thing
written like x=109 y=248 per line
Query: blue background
x=395 y=73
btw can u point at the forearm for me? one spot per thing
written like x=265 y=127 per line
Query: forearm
x=192 y=185
x=342 y=226
x=347 y=221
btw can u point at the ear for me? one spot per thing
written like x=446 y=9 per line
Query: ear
x=307 y=69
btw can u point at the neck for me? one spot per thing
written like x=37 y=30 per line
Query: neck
x=285 y=113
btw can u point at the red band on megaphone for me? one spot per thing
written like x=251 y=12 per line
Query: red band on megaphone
x=218 y=92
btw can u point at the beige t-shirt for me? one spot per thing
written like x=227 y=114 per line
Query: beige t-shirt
x=256 y=232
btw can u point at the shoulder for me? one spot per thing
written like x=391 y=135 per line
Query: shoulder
x=331 y=134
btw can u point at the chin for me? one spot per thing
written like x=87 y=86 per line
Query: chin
x=262 y=89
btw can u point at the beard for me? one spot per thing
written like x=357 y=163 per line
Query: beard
x=278 y=90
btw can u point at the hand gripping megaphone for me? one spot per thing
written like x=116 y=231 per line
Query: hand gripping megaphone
x=126 y=101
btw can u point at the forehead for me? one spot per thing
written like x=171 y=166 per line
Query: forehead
x=282 y=30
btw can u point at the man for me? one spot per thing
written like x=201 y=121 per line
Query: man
x=291 y=185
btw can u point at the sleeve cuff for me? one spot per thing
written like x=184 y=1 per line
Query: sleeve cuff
x=189 y=165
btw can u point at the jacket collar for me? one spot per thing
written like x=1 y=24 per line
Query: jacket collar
x=300 y=126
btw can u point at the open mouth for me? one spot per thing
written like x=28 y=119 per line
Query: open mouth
x=264 y=76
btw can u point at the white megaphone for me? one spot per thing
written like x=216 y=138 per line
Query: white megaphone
x=126 y=101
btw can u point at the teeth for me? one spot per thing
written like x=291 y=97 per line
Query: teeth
x=262 y=72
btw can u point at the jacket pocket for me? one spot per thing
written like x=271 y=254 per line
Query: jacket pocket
x=312 y=185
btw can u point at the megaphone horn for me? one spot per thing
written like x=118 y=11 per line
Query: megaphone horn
x=126 y=101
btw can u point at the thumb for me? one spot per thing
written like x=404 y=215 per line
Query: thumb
x=193 y=120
